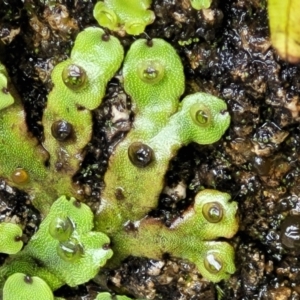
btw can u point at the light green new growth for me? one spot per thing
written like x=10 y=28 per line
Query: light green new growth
x=65 y=249
x=6 y=99
x=73 y=260
x=108 y=296
x=190 y=236
x=10 y=238
x=79 y=86
x=130 y=15
x=22 y=159
x=144 y=154
x=201 y=118
x=153 y=77
x=153 y=102
x=22 y=287
x=201 y=4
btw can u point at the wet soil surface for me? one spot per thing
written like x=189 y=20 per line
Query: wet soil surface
x=226 y=52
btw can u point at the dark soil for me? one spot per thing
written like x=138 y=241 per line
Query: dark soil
x=226 y=52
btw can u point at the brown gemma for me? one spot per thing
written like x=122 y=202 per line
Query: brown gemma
x=212 y=264
x=105 y=37
x=20 y=176
x=140 y=155
x=106 y=247
x=119 y=193
x=28 y=279
x=77 y=204
x=130 y=227
x=61 y=130
x=5 y=90
x=149 y=43
x=74 y=77
x=18 y=238
x=213 y=212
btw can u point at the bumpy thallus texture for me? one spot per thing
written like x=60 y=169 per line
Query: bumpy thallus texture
x=79 y=86
x=66 y=249
x=131 y=16
x=73 y=260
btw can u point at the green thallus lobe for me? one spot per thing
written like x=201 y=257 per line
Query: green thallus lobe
x=21 y=286
x=22 y=159
x=108 y=296
x=161 y=127
x=79 y=86
x=64 y=250
x=154 y=79
x=201 y=4
x=131 y=16
x=190 y=236
x=6 y=97
x=10 y=241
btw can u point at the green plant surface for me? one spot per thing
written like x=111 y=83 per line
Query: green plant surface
x=21 y=286
x=67 y=249
x=284 y=23
x=72 y=261
x=22 y=159
x=108 y=296
x=131 y=16
x=153 y=104
x=11 y=235
x=153 y=77
x=150 y=70
x=79 y=86
x=201 y=118
x=200 y=4
x=191 y=236
x=67 y=121
x=27 y=170
x=6 y=98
